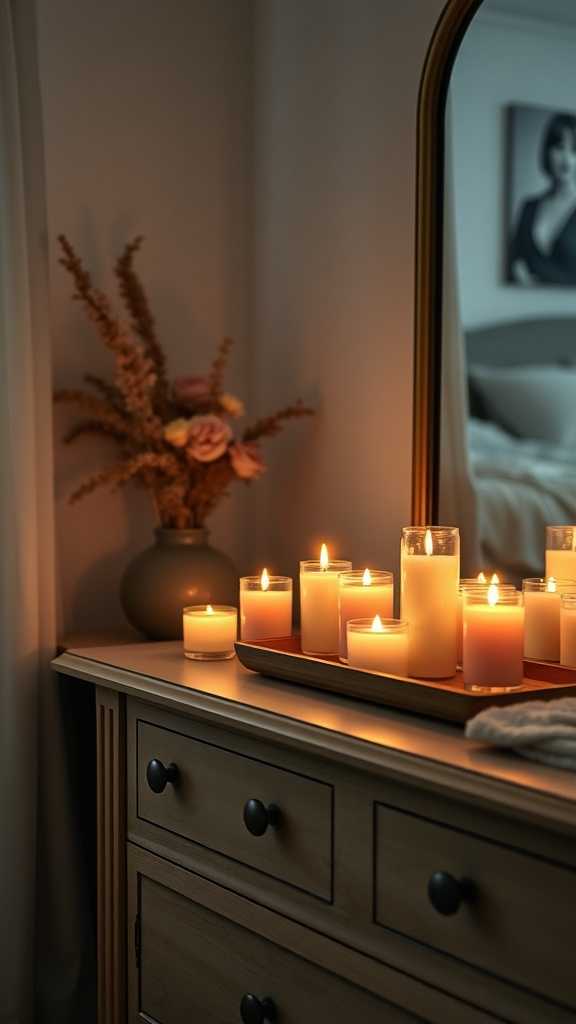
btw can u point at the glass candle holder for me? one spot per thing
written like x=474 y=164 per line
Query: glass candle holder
x=493 y=639
x=379 y=645
x=319 y=619
x=470 y=584
x=210 y=631
x=430 y=573
x=363 y=593
x=561 y=552
x=265 y=607
x=542 y=616
x=568 y=630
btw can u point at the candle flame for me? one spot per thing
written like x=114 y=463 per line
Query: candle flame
x=495 y=579
x=551 y=586
x=481 y=578
x=493 y=594
x=367 y=578
x=324 y=559
x=264 y=579
x=209 y=609
x=428 y=543
x=377 y=626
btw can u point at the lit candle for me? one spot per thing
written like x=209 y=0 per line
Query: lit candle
x=363 y=595
x=561 y=552
x=568 y=630
x=542 y=617
x=493 y=639
x=265 y=606
x=430 y=570
x=319 y=621
x=209 y=631
x=379 y=645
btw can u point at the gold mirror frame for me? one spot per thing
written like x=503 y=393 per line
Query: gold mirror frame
x=442 y=51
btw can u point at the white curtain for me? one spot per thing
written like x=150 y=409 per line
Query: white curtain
x=457 y=496
x=42 y=928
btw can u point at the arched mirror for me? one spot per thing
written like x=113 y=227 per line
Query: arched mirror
x=495 y=428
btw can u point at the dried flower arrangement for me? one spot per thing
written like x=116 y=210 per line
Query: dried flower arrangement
x=174 y=439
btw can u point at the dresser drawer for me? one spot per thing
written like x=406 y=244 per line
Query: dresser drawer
x=517 y=909
x=196 y=965
x=207 y=804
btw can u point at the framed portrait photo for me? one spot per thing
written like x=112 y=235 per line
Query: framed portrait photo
x=541 y=197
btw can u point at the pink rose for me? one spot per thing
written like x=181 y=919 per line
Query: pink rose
x=191 y=389
x=246 y=459
x=208 y=437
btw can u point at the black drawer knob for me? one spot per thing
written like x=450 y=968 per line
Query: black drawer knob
x=446 y=893
x=158 y=775
x=257 y=1011
x=258 y=818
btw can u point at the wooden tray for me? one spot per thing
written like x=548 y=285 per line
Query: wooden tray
x=446 y=698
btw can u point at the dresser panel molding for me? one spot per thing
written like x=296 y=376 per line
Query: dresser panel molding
x=316 y=823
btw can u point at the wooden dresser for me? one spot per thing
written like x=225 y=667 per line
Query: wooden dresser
x=270 y=853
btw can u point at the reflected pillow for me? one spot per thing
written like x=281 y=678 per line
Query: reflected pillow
x=530 y=401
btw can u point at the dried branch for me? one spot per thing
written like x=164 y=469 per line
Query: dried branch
x=123 y=472
x=97 y=408
x=94 y=301
x=95 y=427
x=216 y=375
x=143 y=322
x=112 y=394
x=267 y=426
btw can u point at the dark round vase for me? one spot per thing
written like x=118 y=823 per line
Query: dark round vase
x=181 y=568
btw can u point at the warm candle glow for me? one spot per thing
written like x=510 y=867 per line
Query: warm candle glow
x=367 y=578
x=324 y=559
x=209 y=609
x=551 y=586
x=377 y=626
x=428 y=543
x=481 y=578
x=495 y=579
x=493 y=595
x=264 y=580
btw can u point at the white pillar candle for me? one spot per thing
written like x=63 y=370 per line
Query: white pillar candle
x=379 y=645
x=209 y=631
x=430 y=571
x=319 y=620
x=561 y=552
x=265 y=606
x=493 y=639
x=542 y=617
x=362 y=595
x=568 y=630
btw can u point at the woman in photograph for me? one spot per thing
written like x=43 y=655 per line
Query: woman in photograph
x=543 y=246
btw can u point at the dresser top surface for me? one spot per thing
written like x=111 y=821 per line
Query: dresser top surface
x=351 y=730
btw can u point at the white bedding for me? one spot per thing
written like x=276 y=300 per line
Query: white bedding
x=521 y=486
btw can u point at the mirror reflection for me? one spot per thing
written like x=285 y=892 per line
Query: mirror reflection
x=508 y=464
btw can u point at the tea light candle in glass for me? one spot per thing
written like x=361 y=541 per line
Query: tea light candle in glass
x=542 y=617
x=430 y=574
x=209 y=631
x=493 y=639
x=265 y=606
x=568 y=630
x=378 y=645
x=364 y=594
x=319 y=619
x=561 y=552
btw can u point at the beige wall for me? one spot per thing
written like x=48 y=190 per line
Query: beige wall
x=147 y=111
x=336 y=90
x=146 y=125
